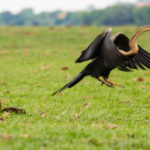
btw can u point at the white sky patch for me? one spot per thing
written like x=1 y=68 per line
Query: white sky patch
x=51 y=5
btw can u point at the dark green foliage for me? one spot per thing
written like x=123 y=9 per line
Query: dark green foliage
x=141 y=16
x=121 y=14
x=6 y=18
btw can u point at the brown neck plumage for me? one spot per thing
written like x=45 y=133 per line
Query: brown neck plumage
x=132 y=43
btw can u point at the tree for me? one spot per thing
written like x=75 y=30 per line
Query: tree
x=24 y=17
x=6 y=18
x=141 y=15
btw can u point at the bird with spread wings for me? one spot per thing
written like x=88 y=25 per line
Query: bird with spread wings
x=107 y=53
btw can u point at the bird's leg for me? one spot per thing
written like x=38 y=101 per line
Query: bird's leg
x=112 y=83
x=104 y=82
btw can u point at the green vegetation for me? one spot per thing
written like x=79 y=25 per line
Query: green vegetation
x=121 y=14
x=88 y=116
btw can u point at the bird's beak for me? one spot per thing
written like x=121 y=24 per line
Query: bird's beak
x=132 y=43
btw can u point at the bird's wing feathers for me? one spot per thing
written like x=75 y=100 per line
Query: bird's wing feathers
x=93 y=50
x=144 y=57
x=121 y=41
x=111 y=56
x=140 y=60
x=105 y=49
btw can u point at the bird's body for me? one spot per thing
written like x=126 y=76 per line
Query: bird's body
x=96 y=69
x=108 y=53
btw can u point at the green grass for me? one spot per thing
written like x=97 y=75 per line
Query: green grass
x=86 y=117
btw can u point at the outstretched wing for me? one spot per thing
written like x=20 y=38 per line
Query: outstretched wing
x=93 y=49
x=103 y=48
x=140 y=60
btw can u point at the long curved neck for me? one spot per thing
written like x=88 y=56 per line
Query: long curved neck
x=132 y=43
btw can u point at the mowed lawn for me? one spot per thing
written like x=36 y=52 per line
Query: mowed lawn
x=36 y=61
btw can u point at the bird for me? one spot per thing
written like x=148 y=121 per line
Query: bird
x=108 y=52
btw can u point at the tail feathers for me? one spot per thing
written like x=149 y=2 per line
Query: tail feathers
x=71 y=83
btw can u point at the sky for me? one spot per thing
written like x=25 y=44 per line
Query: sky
x=50 y=5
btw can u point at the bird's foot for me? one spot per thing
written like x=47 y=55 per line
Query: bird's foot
x=108 y=84
x=113 y=83
x=105 y=82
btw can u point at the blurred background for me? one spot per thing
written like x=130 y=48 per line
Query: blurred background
x=74 y=13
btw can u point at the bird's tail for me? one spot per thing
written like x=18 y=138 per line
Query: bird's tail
x=71 y=83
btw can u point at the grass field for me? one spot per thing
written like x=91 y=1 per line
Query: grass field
x=86 y=117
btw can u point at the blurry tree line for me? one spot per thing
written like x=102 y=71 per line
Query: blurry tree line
x=121 y=14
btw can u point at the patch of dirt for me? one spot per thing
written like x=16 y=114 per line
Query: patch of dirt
x=7 y=92
x=42 y=115
x=2 y=119
x=4 y=52
x=104 y=125
x=45 y=66
x=29 y=33
x=51 y=28
x=3 y=83
x=14 y=109
x=26 y=53
x=7 y=110
x=111 y=126
x=142 y=87
x=98 y=125
x=85 y=105
x=125 y=101
x=5 y=137
x=76 y=116
x=147 y=121
x=86 y=97
x=139 y=79
x=5 y=115
x=65 y=68
x=39 y=85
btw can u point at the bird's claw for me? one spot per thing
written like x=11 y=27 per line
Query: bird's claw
x=106 y=83
x=110 y=85
x=121 y=86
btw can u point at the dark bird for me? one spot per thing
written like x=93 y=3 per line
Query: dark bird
x=108 y=53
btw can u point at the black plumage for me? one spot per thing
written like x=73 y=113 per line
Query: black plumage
x=105 y=54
